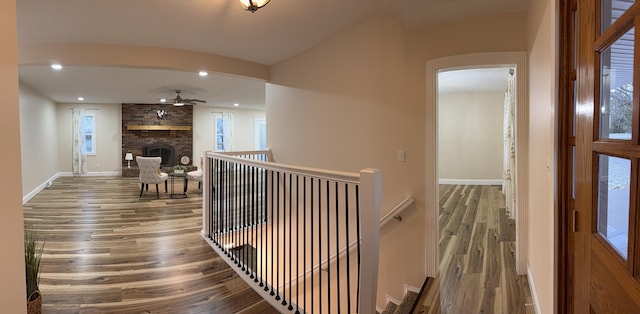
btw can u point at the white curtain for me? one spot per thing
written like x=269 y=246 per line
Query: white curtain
x=223 y=126
x=228 y=121
x=79 y=158
x=509 y=157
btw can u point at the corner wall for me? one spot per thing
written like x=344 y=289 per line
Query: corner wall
x=38 y=139
x=542 y=41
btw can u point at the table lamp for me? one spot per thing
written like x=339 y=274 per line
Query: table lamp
x=128 y=157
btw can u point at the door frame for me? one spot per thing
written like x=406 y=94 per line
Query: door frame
x=518 y=60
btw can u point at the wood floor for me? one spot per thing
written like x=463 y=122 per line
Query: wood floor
x=477 y=249
x=109 y=251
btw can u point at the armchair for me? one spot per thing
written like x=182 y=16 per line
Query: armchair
x=150 y=173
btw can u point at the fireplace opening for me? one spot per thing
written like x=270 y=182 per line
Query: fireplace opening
x=165 y=151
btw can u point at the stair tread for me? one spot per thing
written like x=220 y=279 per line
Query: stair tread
x=390 y=308
x=407 y=303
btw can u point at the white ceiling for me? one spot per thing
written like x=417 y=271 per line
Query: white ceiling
x=284 y=28
x=473 y=80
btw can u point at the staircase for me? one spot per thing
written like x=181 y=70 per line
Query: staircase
x=408 y=303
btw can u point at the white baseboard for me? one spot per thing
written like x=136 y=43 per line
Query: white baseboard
x=393 y=300
x=47 y=183
x=470 y=181
x=408 y=288
x=532 y=288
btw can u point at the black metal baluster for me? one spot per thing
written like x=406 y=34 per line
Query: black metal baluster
x=298 y=243
x=290 y=236
x=337 y=246
x=311 y=224
x=254 y=221
x=243 y=208
x=304 y=245
x=320 y=244
x=346 y=224
x=272 y=227
x=328 y=250
x=278 y=240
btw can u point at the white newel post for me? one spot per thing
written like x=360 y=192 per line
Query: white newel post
x=370 y=202
x=206 y=196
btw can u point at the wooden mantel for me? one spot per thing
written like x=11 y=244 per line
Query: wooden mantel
x=158 y=127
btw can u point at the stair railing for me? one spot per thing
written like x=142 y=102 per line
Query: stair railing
x=275 y=222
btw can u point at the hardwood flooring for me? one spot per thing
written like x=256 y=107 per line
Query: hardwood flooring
x=107 y=250
x=477 y=247
x=477 y=250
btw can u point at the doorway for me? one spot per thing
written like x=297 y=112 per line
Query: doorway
x=517 y=61
x=476 y=167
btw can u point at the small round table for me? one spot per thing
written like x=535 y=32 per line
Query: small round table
x=182 y=175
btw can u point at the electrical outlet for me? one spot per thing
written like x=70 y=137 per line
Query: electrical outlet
x=401 y=155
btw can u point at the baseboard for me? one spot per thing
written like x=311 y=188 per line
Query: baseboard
x=393 y=300
x=47 y=183
x=470 y=182
x=410 y=288
x=532 y=288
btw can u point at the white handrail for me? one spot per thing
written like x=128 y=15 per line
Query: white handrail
x=394 y=213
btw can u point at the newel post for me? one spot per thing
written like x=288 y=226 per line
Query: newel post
x=207 y=179
x=370 y=202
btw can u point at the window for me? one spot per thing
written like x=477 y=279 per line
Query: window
x=223 y=123
x=89 y=132
x=260 y=134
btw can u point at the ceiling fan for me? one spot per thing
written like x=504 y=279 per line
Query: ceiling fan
x=179 y=101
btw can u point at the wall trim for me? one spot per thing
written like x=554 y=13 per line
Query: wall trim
x=470 y=181
x=518 y=60
x=534 y=295
x=47 y=183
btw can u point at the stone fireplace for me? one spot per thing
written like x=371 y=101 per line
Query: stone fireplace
x=144 y=134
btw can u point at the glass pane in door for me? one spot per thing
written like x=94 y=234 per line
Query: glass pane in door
x=612 y=10
x=614 y=177
x=616 y=88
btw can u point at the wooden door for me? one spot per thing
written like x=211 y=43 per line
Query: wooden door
x=605 y=263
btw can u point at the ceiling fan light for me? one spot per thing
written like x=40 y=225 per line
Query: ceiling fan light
x=253 y=5
x=178 y=104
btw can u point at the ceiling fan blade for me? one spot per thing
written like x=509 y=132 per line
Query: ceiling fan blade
x=195 y=100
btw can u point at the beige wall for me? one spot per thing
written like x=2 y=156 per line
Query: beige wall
x=470 y=136
x=341 y=105
x=108 y=138
x=542 y=81
x=38 y=138
x=12 y=296
x=204 y=129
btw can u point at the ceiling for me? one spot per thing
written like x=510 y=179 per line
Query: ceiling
x=281 y=30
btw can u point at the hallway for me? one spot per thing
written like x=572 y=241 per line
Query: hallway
x=477 y=251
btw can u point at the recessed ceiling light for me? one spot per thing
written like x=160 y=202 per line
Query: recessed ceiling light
x=56 y=66
x=203 y=73
x=163 y=100
x=236 y=105
x=80 y=98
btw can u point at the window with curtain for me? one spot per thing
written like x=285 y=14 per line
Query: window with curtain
x=223 y=127
x=88 y=132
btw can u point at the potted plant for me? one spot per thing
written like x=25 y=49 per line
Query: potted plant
x=179 y=168
x=32 y=255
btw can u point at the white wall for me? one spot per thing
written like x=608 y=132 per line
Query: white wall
x=470 y=136
x=108 y=138
x=342 y=105
x=12 y=290
x=204 y=129
x=542 y=102
x=38 y=139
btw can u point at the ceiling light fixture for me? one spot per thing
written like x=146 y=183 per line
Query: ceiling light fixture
x=178 y=104
x=236 y=105
x=163 y=100
x=203 y=73
x=56 y=66
x=81 y=98
x=253 y=5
